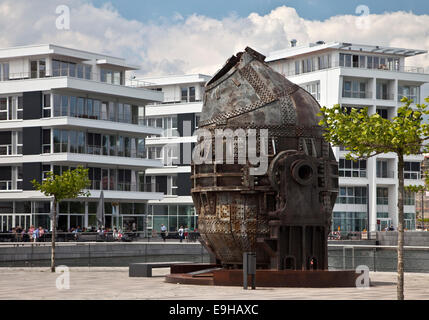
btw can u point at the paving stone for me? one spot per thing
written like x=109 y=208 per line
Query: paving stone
x=96 y=283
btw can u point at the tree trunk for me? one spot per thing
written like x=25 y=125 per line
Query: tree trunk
x=54 y=231
x=400 y=286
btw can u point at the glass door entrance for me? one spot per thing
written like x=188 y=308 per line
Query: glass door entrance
x=384 y=223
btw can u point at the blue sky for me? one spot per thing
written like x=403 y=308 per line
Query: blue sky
x=152 y=10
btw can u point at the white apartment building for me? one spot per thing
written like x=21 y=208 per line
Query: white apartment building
x=355 y=75
x=61 y=108
x=178 y=117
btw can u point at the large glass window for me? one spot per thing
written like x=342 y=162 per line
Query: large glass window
x=382 y=196
x=355 y=89
x=352 y=195
x=64 y=105
x=381 y=169
x=350 y=168
x=349 y=221
x=411 y=170
x=410 y=92
x=410 y=198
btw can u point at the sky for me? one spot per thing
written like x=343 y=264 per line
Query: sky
x=152 y=10
x=167 y=37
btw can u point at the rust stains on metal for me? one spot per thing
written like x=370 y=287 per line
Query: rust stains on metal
x=283 y=215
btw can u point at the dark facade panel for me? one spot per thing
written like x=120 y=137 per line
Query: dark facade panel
x=6 y=173
x=32 y=140
x=31 y=171
x=6 y=137
x=161 y=181
x=32 y=105
x=181 y=118
x=183 y=184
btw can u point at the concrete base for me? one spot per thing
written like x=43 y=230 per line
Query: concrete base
x=268 y=278
x=145 y=269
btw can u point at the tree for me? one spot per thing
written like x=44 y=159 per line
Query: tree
x=69 y=185
x=365 y=136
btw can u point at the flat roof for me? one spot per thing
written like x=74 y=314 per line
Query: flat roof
x=51 y=49
x=314 y=47
x=174 y=79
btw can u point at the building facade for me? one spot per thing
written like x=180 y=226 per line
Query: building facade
x=357 y=76
x=178 y=117
x=61 y=108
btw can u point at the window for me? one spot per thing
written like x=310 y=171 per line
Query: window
x=71 y=69
x=57 y=105
x=297 y=69
x=383 y=91
x=60 y=140
x=191 y=94
x=411 y=92
x=110 y=76
x=349 y=221
x=46 y=105
x=184 y=93
x=38 y=68
x=313 y=89
x=4 y=71
x=65 y=106
x=410 y=198
x=352 y=195
x=355 y=89
x=80 y=107
x=411 y=170
x=383 y=113
x=46 y=139
x=382 y=196
x=3 y=108
x=350 y=168
x=382 y=169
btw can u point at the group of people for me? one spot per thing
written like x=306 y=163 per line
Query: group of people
x=34 y=234
x=183 y=232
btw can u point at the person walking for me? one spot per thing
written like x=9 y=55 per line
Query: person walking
x=181 y=233
x=163 y=232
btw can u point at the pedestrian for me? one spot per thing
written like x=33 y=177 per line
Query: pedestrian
x=30 y=233
x=181 y=233
x=35 y=235
x=186 y=232
x=41 y=233
x=163 y=232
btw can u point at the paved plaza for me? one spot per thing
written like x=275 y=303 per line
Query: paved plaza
x=114 y=283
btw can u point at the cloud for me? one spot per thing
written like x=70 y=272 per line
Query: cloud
x=199 y=44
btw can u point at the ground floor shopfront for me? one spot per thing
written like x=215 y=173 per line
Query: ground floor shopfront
x=129 y=216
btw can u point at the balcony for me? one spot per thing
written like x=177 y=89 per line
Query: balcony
x=124 y=186
x=407 y=69
x=357 y=94
x=93 y=76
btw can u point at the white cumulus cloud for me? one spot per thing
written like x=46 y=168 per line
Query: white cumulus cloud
x=196 y=43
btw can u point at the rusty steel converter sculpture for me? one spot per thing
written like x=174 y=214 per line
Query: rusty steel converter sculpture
x=282 y=214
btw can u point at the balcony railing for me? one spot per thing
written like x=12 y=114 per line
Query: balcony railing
x=92 y=76
x=357 y=94
x=385 y=96
x=386 y=175
x=409 y=69
x=412 y=175
x=124 y=186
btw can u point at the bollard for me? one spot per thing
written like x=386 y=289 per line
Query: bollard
x=249 y=268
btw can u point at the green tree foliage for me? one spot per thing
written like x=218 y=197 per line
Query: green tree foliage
x=365 y=136
x=70 y=185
